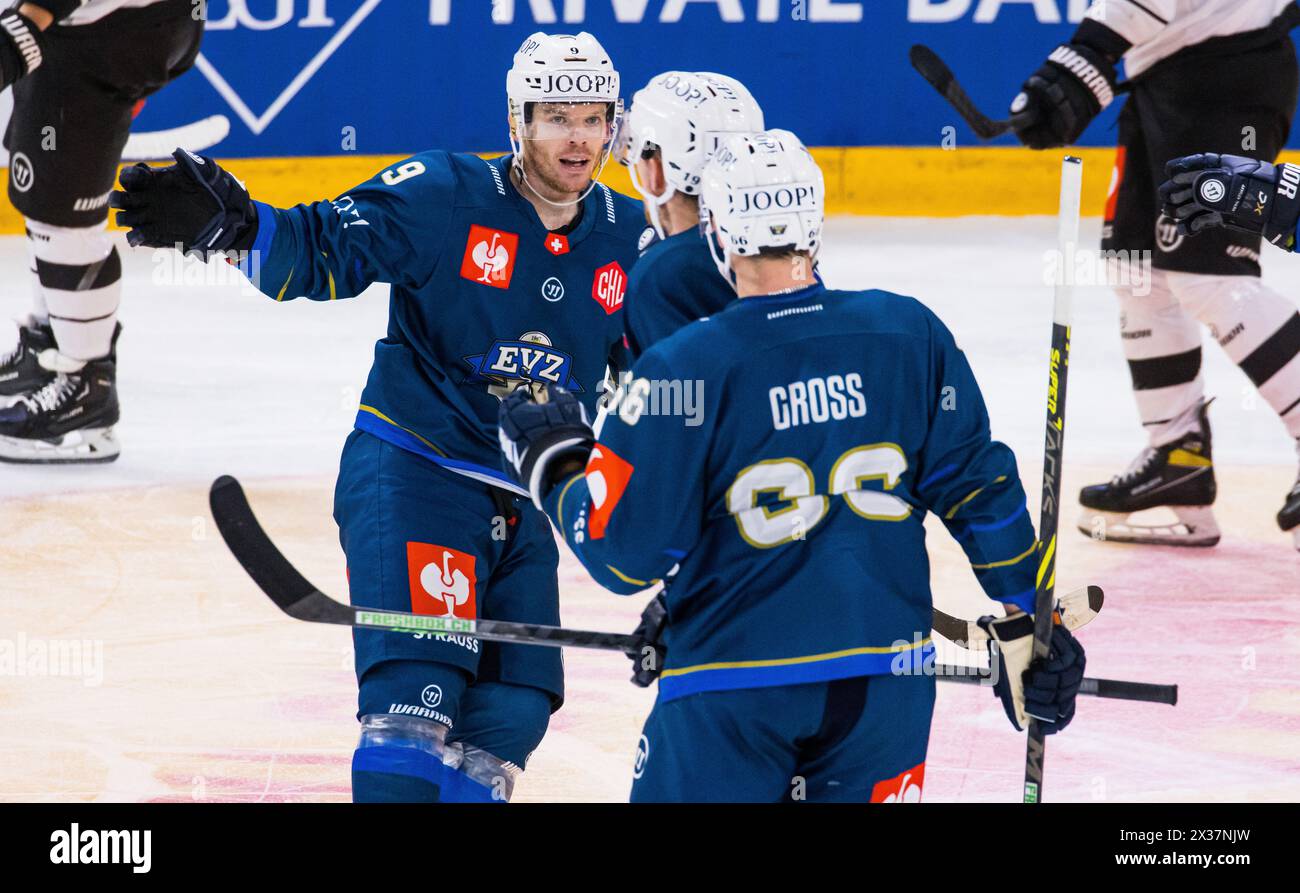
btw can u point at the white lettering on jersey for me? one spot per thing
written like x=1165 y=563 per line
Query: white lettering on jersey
x=817 y=400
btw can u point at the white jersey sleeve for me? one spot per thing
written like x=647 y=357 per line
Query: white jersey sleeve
x=94 y=10
x=1159 y=28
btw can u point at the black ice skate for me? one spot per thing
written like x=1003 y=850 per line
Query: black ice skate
x=69 y=419
x=1289 y=517
x=1178 y=476
x=20 y=369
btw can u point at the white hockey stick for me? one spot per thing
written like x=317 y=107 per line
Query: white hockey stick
x=159 y=144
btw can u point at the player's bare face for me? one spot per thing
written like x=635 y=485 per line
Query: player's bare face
x=563 y=145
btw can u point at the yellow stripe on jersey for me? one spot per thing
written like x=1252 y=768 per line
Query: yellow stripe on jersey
x=1010 y=561
x=969 y=496
x=374 y=412
x=791 y=661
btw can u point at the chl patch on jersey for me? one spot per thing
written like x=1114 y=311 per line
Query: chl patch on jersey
x=609 y=286
x=443 y=581
x=489 y=256
x=607 y=476
x=530 y=359
x=905 y=787
x=557 y=244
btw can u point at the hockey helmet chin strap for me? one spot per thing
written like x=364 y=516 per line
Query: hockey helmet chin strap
x=652 y=202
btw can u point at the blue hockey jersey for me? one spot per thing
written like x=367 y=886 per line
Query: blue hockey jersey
x=830 y=422
x=675 y=282
x=483 y=296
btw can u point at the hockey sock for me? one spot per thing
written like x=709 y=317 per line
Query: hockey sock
x=79 y=279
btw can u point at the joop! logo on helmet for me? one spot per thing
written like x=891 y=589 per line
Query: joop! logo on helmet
x=603 y=86
x=763 y=199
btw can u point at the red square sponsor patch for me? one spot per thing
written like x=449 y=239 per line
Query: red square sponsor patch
x=557 y=244
x=609 y=286
x=442 y=581
x=904 y=787
x=607 y=477
x=489 y=256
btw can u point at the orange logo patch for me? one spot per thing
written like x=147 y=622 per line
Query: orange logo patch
x=1116 y=178
x=902 y=788
x=607 y=477
x=609 y=286
x=489 y=256
x=442 y=581
x=557 y=244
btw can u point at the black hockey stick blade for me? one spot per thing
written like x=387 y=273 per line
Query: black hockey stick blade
x=268 y=567
x=298 y=598
x=928 y=64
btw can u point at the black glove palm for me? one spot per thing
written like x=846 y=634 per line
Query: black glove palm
x=192 y=205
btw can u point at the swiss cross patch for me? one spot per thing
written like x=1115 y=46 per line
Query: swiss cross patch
x=905 y=787
x=607 y=476
x=442 y=581
x=489 y=256
x=609 y=286
x=557 y=244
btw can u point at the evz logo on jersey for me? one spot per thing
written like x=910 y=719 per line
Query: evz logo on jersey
x=442 y=581
x=902 y=788
x=529 y=359
x=609 y=286
x=489 y=256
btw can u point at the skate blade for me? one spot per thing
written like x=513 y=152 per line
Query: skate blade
x=75 y=447
x=1194 y=527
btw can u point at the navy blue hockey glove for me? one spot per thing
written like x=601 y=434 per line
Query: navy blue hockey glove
x=192 y=205
x=1238 y=193
x=538 y=432
x=21 y=47
x=648 y=660
x=1044 y=689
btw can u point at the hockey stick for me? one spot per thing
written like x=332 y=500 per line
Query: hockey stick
x=1077 y=609
x=158 y=144
x=293 y=595
x=1049 y=519
x=928 y=64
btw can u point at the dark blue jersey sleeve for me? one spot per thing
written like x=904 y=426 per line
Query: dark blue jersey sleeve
x=971 y=481
x=380 y=231
x=638 y=508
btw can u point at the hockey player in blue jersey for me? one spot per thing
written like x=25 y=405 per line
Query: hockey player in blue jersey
x=797 y=629
x=672 y=128
x=505 y=273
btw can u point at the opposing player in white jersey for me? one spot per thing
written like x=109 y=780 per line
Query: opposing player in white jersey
x=84 y=65
x=1189 y=64
x=673 y=127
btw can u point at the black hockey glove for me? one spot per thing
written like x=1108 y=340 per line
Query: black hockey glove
x=192 y=205
x=536 y=433
x=1234 y=192
x=1072 y=87
x=21 y=47
x=1043 y=689
x=648 y=661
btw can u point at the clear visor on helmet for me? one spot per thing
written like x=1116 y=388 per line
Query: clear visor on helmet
x=574 y=121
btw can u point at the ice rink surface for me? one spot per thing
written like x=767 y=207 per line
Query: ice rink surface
x=191 y=686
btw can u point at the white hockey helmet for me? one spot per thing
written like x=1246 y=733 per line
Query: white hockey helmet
x=685 y=115
x=761 y=191
x=561 y=68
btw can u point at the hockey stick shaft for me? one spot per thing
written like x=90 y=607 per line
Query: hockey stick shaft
x=1067 y=240
x=1099 y=688
x=928 y=64
x=298 y=598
